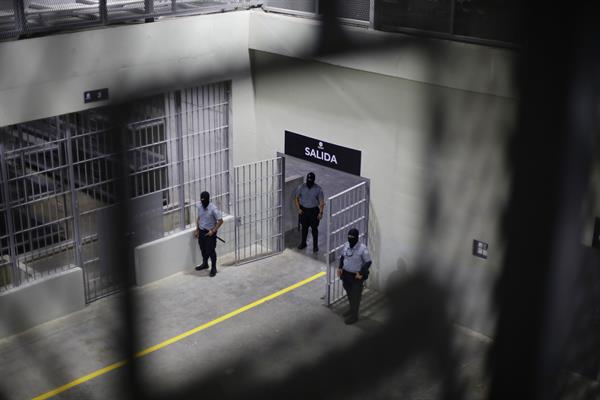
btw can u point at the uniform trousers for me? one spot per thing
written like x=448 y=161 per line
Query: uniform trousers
x=309 y=218
x=353 y=288
x=208 y=245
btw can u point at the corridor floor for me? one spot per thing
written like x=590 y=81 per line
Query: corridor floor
x=268 y=345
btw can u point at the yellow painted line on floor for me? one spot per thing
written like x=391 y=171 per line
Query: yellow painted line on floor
x=177 y=338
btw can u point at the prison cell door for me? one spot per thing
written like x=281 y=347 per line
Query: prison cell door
x=345 y=210
x=258 y=209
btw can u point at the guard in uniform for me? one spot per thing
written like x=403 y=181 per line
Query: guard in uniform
x=310 y=202
x=208 y=223
x=354 y=271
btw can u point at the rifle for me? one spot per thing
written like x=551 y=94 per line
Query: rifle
x=196 y=236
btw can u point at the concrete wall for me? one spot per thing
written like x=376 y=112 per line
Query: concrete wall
x=177 y=253
x=462 y=66
x=382 y=103
x=378 y=100
x=41 y=301
x=47 y=76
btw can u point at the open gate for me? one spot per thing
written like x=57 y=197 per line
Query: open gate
x=258 y=209
x=345 y=210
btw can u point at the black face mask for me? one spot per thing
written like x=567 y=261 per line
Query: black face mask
x=353 y=237
x=204 y=199
x=310 y=180
x=352 y=240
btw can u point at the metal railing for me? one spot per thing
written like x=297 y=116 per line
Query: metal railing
x=20 y=18
x=453 y=19
x=461 y=20
x=358 y=12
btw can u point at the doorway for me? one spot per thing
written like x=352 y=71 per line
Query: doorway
x=346 y=206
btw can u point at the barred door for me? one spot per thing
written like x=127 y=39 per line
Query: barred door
x=59 y=181
x=36 y=222
x=345 y=210
x=259 y=209
x=91 y=175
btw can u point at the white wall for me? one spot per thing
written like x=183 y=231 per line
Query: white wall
x=378 y=101
x=47 y=76
x=387 y=113
x=40 y=301
x=459 y=65
x=178 y=253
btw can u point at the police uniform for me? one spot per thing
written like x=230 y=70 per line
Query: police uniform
x=355 y=259
x=207 y=220
x=310 y=198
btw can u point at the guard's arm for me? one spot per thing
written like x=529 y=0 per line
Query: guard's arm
x=364 y=269
x=217 y=226
x=197 y=231
x=339 y=270
x=297 y=203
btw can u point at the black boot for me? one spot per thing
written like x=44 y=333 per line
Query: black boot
x=202 y=266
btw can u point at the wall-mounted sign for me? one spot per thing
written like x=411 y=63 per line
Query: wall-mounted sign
x=596 y=238
x=95 y=95
x=323 y=153
x=480 y=249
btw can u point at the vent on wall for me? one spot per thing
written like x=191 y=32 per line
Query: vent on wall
x=480 y=249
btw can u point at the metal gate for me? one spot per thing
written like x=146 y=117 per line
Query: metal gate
x=90 y=151
x=345 y=210
x=58 y=183
x=35 y=214
x=259 y=209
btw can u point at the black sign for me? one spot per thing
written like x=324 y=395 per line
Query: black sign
x=480 y=249
x=596 y=238
x=95 y=95
x=323 y=153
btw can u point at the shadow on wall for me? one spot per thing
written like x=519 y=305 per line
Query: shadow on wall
x=383 y=282
x=394 y=278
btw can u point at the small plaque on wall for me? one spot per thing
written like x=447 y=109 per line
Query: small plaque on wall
x=95 y=95
x=480 y=249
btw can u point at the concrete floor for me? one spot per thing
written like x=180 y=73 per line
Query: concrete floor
x=261 y=346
